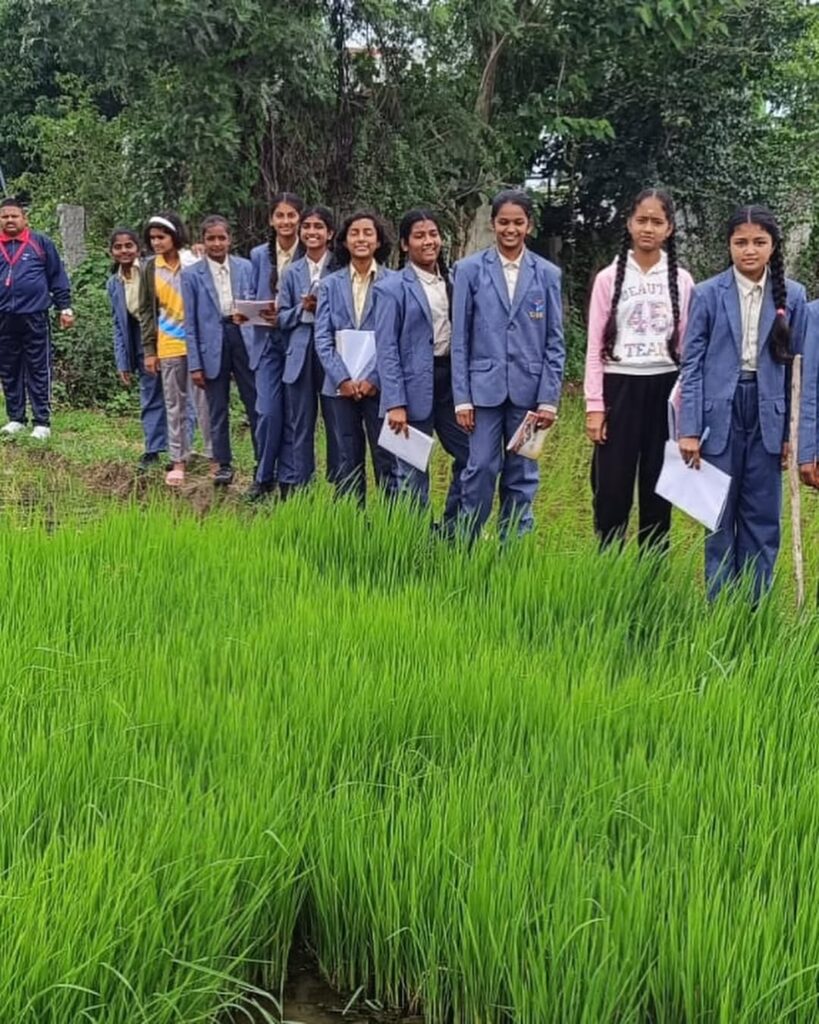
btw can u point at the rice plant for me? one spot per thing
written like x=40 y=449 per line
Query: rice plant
x=518 y=784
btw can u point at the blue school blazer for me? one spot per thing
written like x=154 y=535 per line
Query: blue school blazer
x=712 y=360
x=336 y=312
x=808 y=450
x=405 y=347
x=127 y=335
x=259 y=337
x=501 y=350
x=203 y=314
x=297 y=332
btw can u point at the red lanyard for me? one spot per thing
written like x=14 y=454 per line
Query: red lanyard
x=12 y=260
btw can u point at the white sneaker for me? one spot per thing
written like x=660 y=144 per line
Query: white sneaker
x=41 y=433
x=12 y=427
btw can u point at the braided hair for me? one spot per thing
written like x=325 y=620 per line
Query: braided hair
x=610 y=329
x=291 y=199
x=408 y=221
x=779 y=339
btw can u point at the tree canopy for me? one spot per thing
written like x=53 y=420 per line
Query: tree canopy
x=204 y=105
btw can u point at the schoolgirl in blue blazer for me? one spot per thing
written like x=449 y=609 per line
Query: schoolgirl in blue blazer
x=808 y=451
x=414 y=331
x=345 y=302
x=745 y=326
x=124 y=249
x=266 y=353
x=507 y=360
x=303 y=375
x=217 y=346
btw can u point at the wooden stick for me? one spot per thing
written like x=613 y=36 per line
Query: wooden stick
x=793 y=475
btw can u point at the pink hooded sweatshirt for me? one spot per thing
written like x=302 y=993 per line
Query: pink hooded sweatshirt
x=644 y=321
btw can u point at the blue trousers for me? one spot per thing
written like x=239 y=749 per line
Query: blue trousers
x=152 y=412
x=297 y=459
x=488 y=459
x=749 y=534
x=25 y=365
x=351 y=426
x=269 y=410
x=151 y=399
x=234 y=364
x=454 y=440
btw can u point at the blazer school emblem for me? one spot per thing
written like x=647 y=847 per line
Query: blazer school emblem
x=537 y=308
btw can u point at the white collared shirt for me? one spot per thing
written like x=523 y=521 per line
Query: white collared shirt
x=315 y=269
x=511 y=269
x=751 y=294
x=220 y=272
x=361 y=287
x=435 y=290
x=284 y=257
x=131 y=287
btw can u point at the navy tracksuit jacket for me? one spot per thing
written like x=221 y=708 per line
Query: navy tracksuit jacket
x=32 y=279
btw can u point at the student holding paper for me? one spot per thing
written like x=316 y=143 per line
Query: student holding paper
x=303 y=375
x=414 y=331
x=269 y=262
x=345 y=343
x=637 y=316
x=217 y=349
x=808 y=451
x=507 y=360
x=745 y=326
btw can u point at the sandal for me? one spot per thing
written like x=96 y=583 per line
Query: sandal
x=175 y=477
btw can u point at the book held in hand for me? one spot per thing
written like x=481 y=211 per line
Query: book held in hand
x=529 y=438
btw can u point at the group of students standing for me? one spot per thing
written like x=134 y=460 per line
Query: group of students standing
x=730 y=343
x=465 y=353
x=465 y=356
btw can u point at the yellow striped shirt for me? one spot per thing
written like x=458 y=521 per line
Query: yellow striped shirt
x=170 y=322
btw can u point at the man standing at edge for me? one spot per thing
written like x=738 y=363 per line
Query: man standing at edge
x=32 y=279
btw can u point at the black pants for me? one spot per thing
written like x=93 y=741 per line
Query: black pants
x=637 y=429
x=234 y=364
x=25 y=364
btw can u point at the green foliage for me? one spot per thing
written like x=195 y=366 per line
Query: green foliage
x=85 y=161
x=84 y=373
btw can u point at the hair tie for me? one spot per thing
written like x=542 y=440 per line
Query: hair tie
x=781 y=312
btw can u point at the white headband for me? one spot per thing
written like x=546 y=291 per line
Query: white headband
x=165 y=224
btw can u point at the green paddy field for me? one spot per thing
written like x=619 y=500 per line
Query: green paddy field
x=525 y=785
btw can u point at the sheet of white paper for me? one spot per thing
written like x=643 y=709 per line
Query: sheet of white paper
x=357 y=350
x=414 y=449
x=674 y=404
x=700 y=493
x=251 y=309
